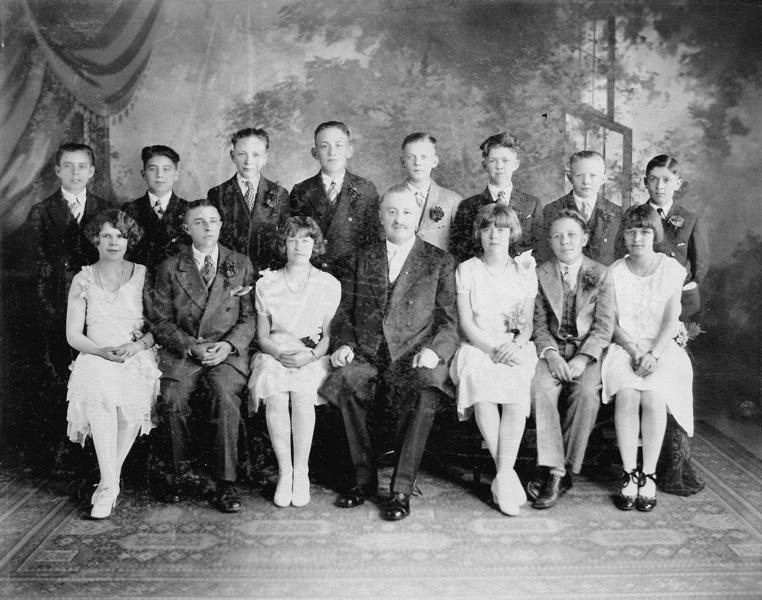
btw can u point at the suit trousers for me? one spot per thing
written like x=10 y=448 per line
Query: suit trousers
x=415 y=397
x=217 y=392
x=562 y=443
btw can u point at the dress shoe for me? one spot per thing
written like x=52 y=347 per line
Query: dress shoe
x=283 y=490
x=104 y=502
x=510 y=493
x=226 y=499
x=645 y=503
x=397 y=508
x=301 y=489
x=626 y=501
x=555 y=487
x=355 y=496
x=534 y=488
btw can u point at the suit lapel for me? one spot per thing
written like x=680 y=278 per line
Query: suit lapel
x=190 y=280
x=376 y=274
x=59 y=211
x=550 y=279
x=316 y=195
x=411 y=271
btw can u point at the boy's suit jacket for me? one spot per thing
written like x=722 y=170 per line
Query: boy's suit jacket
x=253 y=234
x=163 y=237
x=438 y=216
x=182 y=312
x=595 y=308
x=604 y=227
x=419 y=313
x=463 y=245
x=686 y=240
x=348 y=224
x=62 y=249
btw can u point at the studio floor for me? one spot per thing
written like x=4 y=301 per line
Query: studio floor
x=454 y=544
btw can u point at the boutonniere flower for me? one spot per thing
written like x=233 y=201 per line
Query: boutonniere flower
x=436 y=214
x=311 y=341
x=606 y=216
x=590 y=280
x=676 y=221
x=229 y=270
x=271 y=199
x=686 y=333
x=354 y=193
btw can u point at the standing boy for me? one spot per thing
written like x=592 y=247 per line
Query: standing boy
x=251 y=206
x=201 y=313
x=587 y=174
x=159 y=212
x=438 y=205
x=500 y=158
x=344 y=205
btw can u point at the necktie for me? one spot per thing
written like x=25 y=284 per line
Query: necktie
x=249 y=198
x=661 y=212
x=502 y=198
x=75 y=209
x=332 y=191
x=207 y=271
x=395 y=264
x=566 y=276
x=420 y=199
x=585 y=211
x=158 y=209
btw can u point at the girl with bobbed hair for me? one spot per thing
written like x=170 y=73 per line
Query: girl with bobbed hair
x=294 y=306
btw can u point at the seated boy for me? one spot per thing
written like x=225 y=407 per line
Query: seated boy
x=201 y=313
x=500 y=159
x=587 y=174
x=159 y=211
x=438 y=205
x=251 y=206
x=573 y=324
x=344 y=205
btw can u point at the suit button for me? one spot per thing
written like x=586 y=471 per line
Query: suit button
x=410 y=302
x=228 y=309
x=605 y=240
x=349 y=219
x=408 y=324
x=671 y=253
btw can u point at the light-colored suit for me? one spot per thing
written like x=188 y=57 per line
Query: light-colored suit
x=559 y=444
x=438 y=215
x=182 y=313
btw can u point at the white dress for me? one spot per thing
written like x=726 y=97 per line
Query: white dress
x=132 y=385
x=498 y=305
x=640 y=303
x=293 y=317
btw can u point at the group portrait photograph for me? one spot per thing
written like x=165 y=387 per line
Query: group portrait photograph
x=327 y=299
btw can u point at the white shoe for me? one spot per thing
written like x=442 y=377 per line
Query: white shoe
x=511 y=494
x=104 y=503
x=301 y=489
x=283 y=491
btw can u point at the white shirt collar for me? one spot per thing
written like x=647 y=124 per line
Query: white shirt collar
x=573 y=269
x=579 y=201
x=494 y=191
x=152 y=198
x=666 y=208
x=338 y=179
x=244 y=183
x=418 y=191
x=79 y=199
x=392 y=248
x=199 y=256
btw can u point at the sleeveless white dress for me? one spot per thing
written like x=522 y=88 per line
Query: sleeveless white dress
x=132 y=385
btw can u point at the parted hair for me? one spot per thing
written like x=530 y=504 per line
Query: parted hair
x=499 y=140
x=189 y=206
x=644 y=216
x=419 y=136
x=569 y=213
x=74 y=147
x=118 y=219
x=251 y=132
x=292 y=226
x=664 y=160
x=583 y=154
x=501 y=216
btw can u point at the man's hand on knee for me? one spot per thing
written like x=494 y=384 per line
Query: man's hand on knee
x=216 y=353
x=342 y=356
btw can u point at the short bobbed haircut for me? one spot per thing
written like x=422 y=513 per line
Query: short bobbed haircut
x=293 y=226
x=569 y=213
x=118 y=219
x=643 y=216
x=498 y=215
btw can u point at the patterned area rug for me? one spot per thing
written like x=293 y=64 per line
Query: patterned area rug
x=454 y=545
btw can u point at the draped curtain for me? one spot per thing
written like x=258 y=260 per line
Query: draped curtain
x=65 y=68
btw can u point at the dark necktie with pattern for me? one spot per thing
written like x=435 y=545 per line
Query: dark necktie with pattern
x=249 y=197
x=158 y=209
x=207 y=271
x=332 y=191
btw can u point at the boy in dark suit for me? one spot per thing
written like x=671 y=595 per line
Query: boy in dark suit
x=201 y=313
x=251 y=206
x=573 y=324
x=397 y=324
x=500 y=158
x=344 y=205
x=58 y=224
x=159 y=212
x=587 y=174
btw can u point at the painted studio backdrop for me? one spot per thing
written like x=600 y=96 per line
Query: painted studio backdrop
x=631 y=80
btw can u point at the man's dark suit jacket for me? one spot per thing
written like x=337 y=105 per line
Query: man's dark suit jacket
x=253 y=234
x=686 y=240
x=350 y=223
x=62 y=250
x=182 y=312
x=163 y=237
x=420 y=312
x=463 y=245
x=606 y=243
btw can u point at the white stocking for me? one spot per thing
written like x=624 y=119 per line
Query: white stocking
x=303 y=426
x=279 y=426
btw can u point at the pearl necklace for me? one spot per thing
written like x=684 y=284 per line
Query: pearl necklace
x=103 y=287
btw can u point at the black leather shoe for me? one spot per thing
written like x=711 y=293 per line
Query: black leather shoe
x=226 y=499
x=555 y=487
x=534 y=488
x=621 y=501
x=645 y=503
x=355 y=496
x=398 y=507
